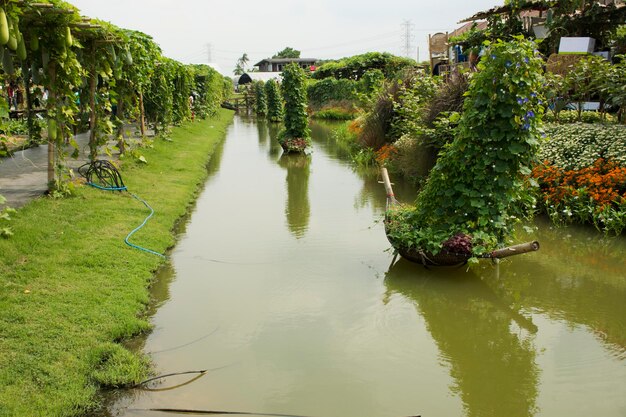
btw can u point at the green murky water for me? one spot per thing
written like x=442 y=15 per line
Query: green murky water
x=281 y=285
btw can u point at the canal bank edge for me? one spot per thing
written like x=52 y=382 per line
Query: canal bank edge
x=71 y=290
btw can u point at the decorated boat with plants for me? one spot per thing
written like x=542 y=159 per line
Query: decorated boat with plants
x=478 y=190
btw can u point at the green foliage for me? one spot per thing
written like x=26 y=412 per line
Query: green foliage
x=589 y=18
x=328 y=90
x=240 y=67
x=579 y=145
x=470 y=40
x=334 y=113
x=208 y=92
x=295 y=98
x=5 y=218
x=377 y=126
x=261 y=98
x=354 y=68
x=476 y=187
x=571 y=116
x=415 y=93
x=274 y=102
x=288 y=52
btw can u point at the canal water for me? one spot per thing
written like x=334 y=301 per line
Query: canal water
x=281 y=286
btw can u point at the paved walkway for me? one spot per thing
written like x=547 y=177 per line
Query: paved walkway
x=24 y=175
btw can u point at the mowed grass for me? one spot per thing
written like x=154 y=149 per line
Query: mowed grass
x=71 y=290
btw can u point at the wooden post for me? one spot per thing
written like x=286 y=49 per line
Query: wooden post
x=29 y=102
x=93 y=84
x=52 y=72
x=120 y=129
x=142 y=116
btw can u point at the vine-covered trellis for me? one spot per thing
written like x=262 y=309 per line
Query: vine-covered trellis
x=83 y=73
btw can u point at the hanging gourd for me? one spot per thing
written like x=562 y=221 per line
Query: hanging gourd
x=69 y=40
x=4 y=27
x=34 y=42
x=12 y=43
x=52 y=130
x=21 y=48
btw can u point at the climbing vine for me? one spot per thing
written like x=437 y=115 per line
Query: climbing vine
x=274 y=102
x=296 y=135
x=94 y=75
x=261 y=98
x=476 y=189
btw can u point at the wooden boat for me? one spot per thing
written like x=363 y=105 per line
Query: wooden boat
x=444 y=257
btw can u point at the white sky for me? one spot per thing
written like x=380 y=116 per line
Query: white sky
x=319 y=28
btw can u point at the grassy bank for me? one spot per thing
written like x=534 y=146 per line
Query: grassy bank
x=70 y=289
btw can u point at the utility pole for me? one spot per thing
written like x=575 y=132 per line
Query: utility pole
x=407 y=37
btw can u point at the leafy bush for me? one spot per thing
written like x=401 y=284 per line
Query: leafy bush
x=579 y=145
x=328 y=90
x=477 y=185
x=571 y=116
x=335 y=113
x=354 y=68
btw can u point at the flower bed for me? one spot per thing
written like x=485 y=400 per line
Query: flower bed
x=594 y=194
x=582 y=178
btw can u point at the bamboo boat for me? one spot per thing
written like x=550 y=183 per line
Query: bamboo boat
x=444 y=257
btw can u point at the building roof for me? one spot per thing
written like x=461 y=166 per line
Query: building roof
x=480 y=25
x=284 y=60
x=260 y=76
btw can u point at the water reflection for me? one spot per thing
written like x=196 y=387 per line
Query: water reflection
x=275 y=149
x=579 y=276
x=297 y=207
x=491 y=360
x=261 y=125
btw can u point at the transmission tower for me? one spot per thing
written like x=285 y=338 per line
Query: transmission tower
x=407 y=38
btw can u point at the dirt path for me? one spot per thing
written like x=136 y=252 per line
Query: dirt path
x=23 y=176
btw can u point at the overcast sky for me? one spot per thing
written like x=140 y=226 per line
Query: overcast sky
x=319 y=28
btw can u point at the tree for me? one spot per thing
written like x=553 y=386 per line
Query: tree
x=288 y=52
x=240 y=68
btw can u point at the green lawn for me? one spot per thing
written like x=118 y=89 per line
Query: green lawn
x=70 y=289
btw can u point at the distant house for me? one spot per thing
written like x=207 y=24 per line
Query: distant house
x=278 y=64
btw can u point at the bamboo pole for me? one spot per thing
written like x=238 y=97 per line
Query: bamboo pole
x=387 y=182
x=142 y=116
x=29 y=102
x=121 y=144
x=93 y=82
x=52 y=72
x=514 y=250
